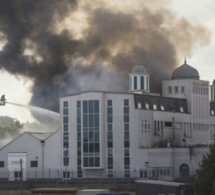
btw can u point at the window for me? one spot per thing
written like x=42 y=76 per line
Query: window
x=182 y=89
x=109 y=103
x=168 y=124
x=147 y=106
x=212 y=112
x=135 y=82
x=65 y=161
x=139 y=105
x=162 y=107
x=181 y=109
x=176 y=89
x=1 y=163
x=154 y=106
x=169 y=89
x=142 y=82
x=34 y=163
x=66 y=174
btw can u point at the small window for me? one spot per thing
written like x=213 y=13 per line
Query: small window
x=168 y=124
x=176 y=89
x=154 y=106
x=147 y=106
x=162 y=107
x=212 y=112
x=34 y=163
x=169 y=89
x=139 y=105
x=182 y=89
x=1 y=163
x=181 y=109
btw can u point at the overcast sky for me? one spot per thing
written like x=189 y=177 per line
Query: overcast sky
x=18 y=90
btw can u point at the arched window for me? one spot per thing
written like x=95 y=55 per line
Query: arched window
x=135 y=82
x=141 y=82
x=184 y=170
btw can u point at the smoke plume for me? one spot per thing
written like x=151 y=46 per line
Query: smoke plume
x=68 y=46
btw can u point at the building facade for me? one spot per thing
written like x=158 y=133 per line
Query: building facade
x=139 y=134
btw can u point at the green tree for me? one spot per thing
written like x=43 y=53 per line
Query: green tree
x=9 y=126
x=204 y=183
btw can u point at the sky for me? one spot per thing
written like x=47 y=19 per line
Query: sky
x=19 y=89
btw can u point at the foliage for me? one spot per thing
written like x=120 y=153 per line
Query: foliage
x=205 y=177
x=9 y=126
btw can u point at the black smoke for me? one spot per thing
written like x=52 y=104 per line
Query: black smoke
x=112 y=44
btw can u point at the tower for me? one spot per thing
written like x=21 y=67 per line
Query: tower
x=139 y=80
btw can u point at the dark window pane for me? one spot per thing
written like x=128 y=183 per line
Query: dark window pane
x=109 y=119
x=79 y=128
x=65 y=111
x=126 y=102
x=126 y=135
x=109 y=102
x=110 y=161
x=96 y=106
x=110 y=136
x=91 y=162
x=126 y=144
x=78 y=120
x=91 y=147
x=34 y=163
x=90 y=136
x=110 y=127
x=110 y=144
x=65 y=144
x=78 y=104
x=65 y=119
x=96 y=120
x=109 y=111
x=97 y=162
x=126 y=152
x=85 y=120
x=126 y=127
x=1 y=163
x=85 y=148
x=65 y=128
x=91 y=106
x=126 y=118
x=79 y=144
x=79 y=136
x=85 y=137
x=65 y=152
x=127 y=160
x=96 y=145
x=65 y=104
x=85 y=109
x=90 y=120
x=126 y=110
x=65 y=161
x=96 y=136
x=85 y=162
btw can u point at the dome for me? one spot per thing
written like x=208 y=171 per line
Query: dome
x=139 y=69
x=185 y=71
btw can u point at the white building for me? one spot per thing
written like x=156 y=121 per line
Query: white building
x=139 y=134
x=36 y=155
x=134 y=134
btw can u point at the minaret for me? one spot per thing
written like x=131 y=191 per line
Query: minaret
x=139 y=80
